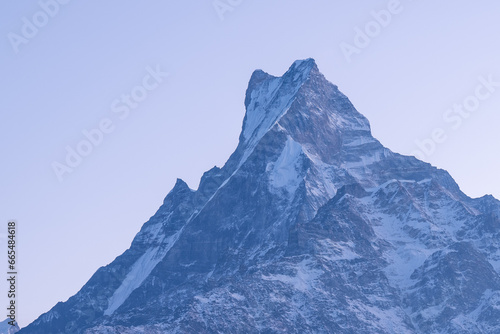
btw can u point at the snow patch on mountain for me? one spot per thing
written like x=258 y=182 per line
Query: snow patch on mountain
x=303 y=278
x=139 y=271
x=382 y=320
x=285 y=171
x=337 y=251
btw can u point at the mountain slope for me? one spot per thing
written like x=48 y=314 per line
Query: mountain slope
x=312 y=226
x=6 y=328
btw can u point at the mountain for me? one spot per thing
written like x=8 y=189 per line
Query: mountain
x=6 y=328
x=311 y=226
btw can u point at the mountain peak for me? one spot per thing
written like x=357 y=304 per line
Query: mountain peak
x=309 y=223
x=268 y=98
x=306 y=105
x=303 y=65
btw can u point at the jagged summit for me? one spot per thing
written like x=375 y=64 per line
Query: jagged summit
x=312 y=226
x=267 y=97
x=306 y=106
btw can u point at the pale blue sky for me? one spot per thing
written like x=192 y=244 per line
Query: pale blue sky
x=65 y=79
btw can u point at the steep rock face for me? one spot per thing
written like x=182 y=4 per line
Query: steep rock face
x=312 y=226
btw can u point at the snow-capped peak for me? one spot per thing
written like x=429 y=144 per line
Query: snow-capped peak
x=268 y=98
x=312 y=226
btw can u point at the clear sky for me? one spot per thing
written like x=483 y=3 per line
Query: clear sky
x=421 y=71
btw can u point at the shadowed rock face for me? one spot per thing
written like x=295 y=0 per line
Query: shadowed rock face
x=311 y=226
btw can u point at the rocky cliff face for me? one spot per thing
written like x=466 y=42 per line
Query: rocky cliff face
x=312 y=226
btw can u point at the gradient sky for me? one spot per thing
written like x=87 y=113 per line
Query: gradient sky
x=66 y=78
